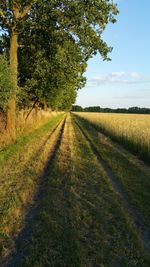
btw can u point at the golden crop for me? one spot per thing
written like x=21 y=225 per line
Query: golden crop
x=130 y=129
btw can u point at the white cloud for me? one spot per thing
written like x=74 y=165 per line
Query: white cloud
x=118 y=77
x=135 y=75
x=118 y=73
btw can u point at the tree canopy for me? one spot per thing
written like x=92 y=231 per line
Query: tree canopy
x=5 y=82
x=48 y=44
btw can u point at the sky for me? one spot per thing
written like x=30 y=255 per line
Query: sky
x=124 y=81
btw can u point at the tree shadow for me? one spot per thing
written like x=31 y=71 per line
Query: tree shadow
x=22 y=239
x=49 y=236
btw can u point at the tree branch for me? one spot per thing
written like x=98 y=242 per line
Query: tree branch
x=4 y=17
x=22 y=46
x=2 y=14
x=26 y=9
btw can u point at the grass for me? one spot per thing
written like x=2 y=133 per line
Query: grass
x=77 y=218
x=80 y=220
x=133 y=179
x=20 y=166
x=10 y=150
x=131 y=131
x=24 y=127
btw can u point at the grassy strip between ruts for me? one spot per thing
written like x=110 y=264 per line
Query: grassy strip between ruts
x=19 y=178
x=80 y=221
x=17 y=146
x=135 y=182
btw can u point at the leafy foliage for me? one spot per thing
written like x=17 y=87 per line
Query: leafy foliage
x=56 y=39
x=5 y=82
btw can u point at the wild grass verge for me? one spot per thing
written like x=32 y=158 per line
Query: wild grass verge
x=24 y=127
x=21 y=164
x=19 y=144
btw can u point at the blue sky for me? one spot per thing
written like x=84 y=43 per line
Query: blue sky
x=125 y=81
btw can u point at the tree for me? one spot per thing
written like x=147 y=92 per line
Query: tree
x=53 y=74
x=83 y=21
x=12 y=14
x=77 y=108
x=5 y=82
x=93 y=109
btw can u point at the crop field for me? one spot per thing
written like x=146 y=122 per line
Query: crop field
x=72 y=197
x=132 y=131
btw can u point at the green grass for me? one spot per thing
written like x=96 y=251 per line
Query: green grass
x=80 y=221
x=134 y=181
x=17 y=146
x=21 y=165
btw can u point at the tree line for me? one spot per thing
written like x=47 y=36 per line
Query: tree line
x=45 y=46
x=131 y=110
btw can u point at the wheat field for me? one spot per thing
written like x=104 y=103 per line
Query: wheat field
x=131 y=130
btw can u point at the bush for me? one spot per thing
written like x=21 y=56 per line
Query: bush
x=5 y=82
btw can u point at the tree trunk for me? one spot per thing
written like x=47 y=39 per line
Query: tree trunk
x=11 y=107
x=45 y=104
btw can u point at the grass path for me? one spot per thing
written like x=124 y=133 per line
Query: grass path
x=79 y=220
x=129 y=178
x=19 y=178
x=76 y=218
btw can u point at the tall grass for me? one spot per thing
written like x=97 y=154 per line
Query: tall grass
x=25 y=126
x=130 y=130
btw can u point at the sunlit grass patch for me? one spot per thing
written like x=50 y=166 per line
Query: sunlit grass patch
x=21 y=165
x=80 y=220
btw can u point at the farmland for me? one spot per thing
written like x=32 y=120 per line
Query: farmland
x=70 y=196
x=131 y=131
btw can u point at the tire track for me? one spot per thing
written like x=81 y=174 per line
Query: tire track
x=143 y=232
x=53 y=152
x=35 y=154
x=25 y=236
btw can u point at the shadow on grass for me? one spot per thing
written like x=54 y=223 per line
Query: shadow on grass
x=48 y=223
x=25 y=235
x=18 y=145
x=76 y=220
x=49 y=237
x=134 y=199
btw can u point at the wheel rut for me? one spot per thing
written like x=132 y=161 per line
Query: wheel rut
x=25 y=236
x=143 y=232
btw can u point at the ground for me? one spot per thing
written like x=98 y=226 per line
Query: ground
x=71 y=197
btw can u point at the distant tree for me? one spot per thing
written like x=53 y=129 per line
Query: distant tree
x=120 y=110
x=137 y=110
x=93 y=109
x=77 y=108
x=133 y=110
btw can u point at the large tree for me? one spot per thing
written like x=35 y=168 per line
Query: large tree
x=55 y=66
x=84 y=21
x=12 y=15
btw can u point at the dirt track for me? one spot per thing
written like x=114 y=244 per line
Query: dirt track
x=74 y=211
